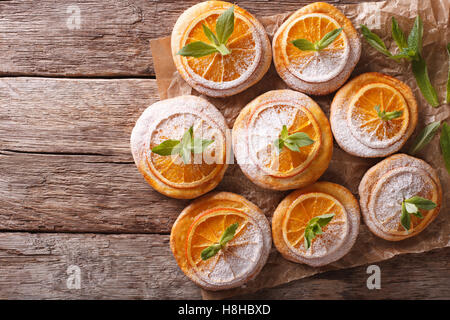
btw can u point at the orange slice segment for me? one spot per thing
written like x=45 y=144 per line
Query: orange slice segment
x=367 y=126
x=203 y=167
x=301 y=211
x=394 y=187
x=215 y=68
x=265 y=127
x=240 y=255
x=315 y=66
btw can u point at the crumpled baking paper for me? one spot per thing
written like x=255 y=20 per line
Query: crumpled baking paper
x=344 y=169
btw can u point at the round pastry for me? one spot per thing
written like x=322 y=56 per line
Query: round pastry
x=373 y=115
x=316 y=49
x=216 y=57
x=179 y=145
x=399 y=197
x=282 y=140
x=221 y=241
x=316 y=225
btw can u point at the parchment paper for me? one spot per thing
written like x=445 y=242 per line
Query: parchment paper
x=344 y=169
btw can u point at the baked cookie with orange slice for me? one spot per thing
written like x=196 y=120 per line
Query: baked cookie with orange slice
x=316 y=49
x=220 y=49
x=316 y=225
x=282 y=140
x=180 y=146
x=221 y=241
x=373 y=115
x=399 y=197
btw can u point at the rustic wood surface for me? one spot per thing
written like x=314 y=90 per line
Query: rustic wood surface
x=69 y=191
x=113 y=39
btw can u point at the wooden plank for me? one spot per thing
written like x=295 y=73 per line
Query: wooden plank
x=409 y=277
x=80 y=194
x=39 y=38
x=72 y=116
x=65 y=162
x=34 y=266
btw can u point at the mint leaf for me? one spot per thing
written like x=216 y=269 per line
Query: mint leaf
x=197 y=49
x=199 y=145
x=399 y=36
x=304 y=45
x=210 y=35
x=228 y=234
x=328 y=38
x=210 y=252
x=445 y=145
x=166 y=148
x=420 y=71
x=405 y=218
x=314 y=228
x=224 y=29
x=294 y=141
x=284 y=132
x=184 y=147
x=225 y=25
x=421 y=203
x=386 y=116
x=415 y=38
x=374 y=40
x=411 y=208
x=424 y=137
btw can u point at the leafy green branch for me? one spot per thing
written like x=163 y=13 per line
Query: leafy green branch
x=410 y=49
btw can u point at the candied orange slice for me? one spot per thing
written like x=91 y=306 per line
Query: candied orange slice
x=265 y=125
x=202 y=167
x=237 y=259
x=244 y=56
x=395 y=186
x=367 y=126
x=315 y=66
x=301 y=211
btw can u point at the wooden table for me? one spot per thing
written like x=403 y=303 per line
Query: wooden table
x=70 y=194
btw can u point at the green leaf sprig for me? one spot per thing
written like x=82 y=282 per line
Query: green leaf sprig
x=227 y=236
x=306 y=45
x=184 y=147
x=424 y=137
x=314 y=228
x=294 y=141
x=218 y=41
x=386 y=116
x=411 y=50
x=445 y=145
x=412 y=206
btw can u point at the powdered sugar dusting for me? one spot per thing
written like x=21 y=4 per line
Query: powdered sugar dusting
x=322 y=65
x=394 y=187
x=238 y=259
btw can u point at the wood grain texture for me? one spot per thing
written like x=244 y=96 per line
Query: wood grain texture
x=34 y=266
x=65 y=162
x=113 y=38
x=72 y=116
